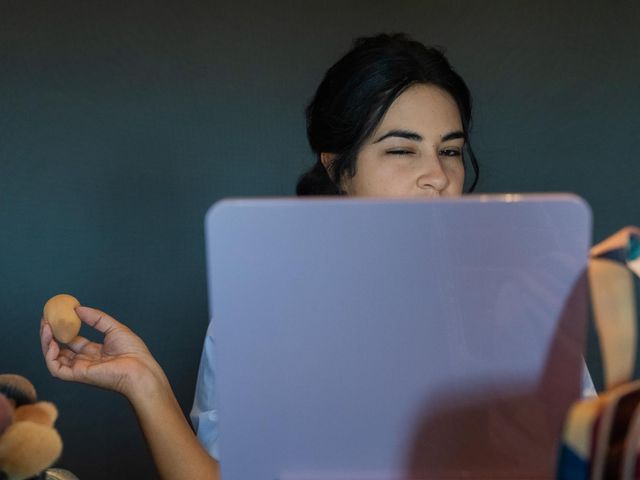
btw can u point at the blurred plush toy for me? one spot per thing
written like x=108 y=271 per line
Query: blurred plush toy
x=29 y=443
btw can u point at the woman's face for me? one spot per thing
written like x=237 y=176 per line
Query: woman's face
x=416 y=151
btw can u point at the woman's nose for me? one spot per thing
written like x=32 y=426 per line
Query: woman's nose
x=432 y=176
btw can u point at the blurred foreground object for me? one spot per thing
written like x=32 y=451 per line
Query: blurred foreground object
x=601 y=436
x=29 y=442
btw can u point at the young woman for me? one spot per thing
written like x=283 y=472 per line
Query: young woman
x=390 y=119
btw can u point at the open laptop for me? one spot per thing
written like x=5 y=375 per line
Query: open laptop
x=369 y=339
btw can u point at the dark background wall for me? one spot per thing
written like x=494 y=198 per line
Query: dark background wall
x=122 y=122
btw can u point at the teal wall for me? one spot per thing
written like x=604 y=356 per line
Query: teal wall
x=122 y=122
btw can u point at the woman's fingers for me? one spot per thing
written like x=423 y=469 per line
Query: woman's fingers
x=51 y=354
x=103 y=364
x=66 y=353
x=97 y=319
x=84 y=346
x=65 y=361
x=59 y=361
x=64 y=370
x=45 y=336
x=80 y=345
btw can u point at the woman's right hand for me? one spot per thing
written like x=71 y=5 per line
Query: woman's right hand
x=122 y=363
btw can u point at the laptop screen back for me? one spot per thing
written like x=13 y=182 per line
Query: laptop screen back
x=392 y=339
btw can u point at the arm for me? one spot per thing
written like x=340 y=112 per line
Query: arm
x=124 y=364
x=175 y=449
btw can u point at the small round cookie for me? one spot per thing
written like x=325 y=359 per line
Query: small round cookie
x=60 y=313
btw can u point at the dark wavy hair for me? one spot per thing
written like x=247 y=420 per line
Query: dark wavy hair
x=357 y=91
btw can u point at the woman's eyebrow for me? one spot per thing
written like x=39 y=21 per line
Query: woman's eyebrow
x=453 y=135
x=409 y=135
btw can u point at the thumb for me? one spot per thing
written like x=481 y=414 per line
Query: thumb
x=99 y=320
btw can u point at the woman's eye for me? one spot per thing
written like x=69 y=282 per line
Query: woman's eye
x=399 y=151
x=450 y=152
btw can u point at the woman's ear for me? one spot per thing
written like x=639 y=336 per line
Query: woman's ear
x=327 y=162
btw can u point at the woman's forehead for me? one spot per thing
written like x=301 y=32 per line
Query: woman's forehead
x=426 y=109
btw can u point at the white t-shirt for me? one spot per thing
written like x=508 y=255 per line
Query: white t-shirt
x=204 y=414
